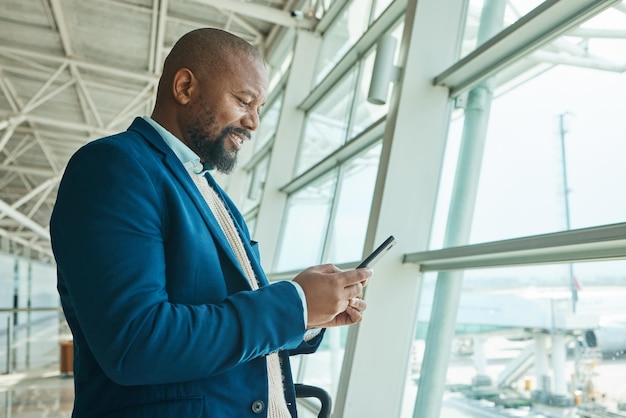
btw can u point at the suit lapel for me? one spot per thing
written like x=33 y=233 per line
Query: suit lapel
x=179 y=172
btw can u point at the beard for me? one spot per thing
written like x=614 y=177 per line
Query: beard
x=212 y=148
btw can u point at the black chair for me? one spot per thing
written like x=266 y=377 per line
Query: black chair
x=307 y=391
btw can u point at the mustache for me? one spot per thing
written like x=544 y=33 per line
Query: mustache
x=240 y=131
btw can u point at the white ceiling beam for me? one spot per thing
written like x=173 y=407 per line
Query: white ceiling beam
x=46 y=85
x=34 y=171
x=31 y=105
x=157 y=35
x=64 y=34
x=9 y=92
x=21 y=148
x=87 y=104
x=73 y=126
x=6 y=136
x=55 y=59
x=257 y=11
x=199 y=22
x=25 y=243
x=144 y=97
x=40 y=189
x=44 y=195
x=12 y=121
x=23 y=220
x=241 y=22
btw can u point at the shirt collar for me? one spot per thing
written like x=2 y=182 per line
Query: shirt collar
x=190 y=159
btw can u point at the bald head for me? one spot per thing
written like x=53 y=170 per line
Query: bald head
x=207 y=52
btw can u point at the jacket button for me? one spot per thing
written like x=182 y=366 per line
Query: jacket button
x=258 y=407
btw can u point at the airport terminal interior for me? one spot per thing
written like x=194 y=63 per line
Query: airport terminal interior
x=486 y=136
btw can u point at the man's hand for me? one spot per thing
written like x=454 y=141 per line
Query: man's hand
x=333 y=296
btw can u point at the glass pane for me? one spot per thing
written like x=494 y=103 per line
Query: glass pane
x=553 y=140
x=7 y=266
x=268 y=124
x=341 y=35
x=518 y=342
x=366 y=113
x=256 y=183
x=306 y=222
x=323 y=367
x=281 y=61
x=326 y=124
x=380 y=7
x=354 y=200
x=251 y=222
x=485 y=10
x=28 y=285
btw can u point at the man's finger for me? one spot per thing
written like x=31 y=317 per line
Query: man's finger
x=358 y=304
x=329 y=268
x=352 y=277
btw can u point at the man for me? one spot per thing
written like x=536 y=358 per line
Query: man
x=171 y=313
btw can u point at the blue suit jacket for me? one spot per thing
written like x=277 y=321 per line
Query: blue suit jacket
x=165 y=323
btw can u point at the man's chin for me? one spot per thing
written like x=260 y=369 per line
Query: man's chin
x=226 y=166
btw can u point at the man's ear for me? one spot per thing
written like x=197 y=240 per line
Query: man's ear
x=183 y=85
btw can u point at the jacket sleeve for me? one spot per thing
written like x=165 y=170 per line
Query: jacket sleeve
x=107 y=232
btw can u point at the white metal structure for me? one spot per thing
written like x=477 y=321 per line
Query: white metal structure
x=74 y=70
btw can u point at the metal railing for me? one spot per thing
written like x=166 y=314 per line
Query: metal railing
x=12 y=328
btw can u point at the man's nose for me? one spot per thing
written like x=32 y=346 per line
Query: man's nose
x=251 y=120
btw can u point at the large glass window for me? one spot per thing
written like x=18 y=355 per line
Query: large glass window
x=552 y=142
x=281 y=60
x=269 y=123
x=30 y=288
x=532 y=150
x=306 y=220
x=257 y=173
x=517 y=336
x=352 y=208
x=332 y=213
x=379 y=7
x=323 y=367
x=364 y=112
x=342 y=34
x=512 y=10
x=327 y=123
x=256 y=183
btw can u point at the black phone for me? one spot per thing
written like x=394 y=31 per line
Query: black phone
x=382 y=249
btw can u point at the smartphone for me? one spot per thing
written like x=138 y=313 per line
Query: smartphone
x=382 y=249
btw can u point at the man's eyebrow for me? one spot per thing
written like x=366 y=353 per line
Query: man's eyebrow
x=249 y=93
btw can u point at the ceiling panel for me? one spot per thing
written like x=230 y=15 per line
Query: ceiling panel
x=75 y=70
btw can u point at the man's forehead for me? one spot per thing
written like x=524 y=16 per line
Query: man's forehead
x=250 y=70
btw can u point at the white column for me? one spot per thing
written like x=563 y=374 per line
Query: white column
x=480 y=362
x=541 y=362
x=377 y=357
x=559 y=355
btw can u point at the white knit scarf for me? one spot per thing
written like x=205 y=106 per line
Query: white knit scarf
x=277 y=407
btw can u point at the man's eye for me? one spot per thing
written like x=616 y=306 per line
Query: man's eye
x=243 y=102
